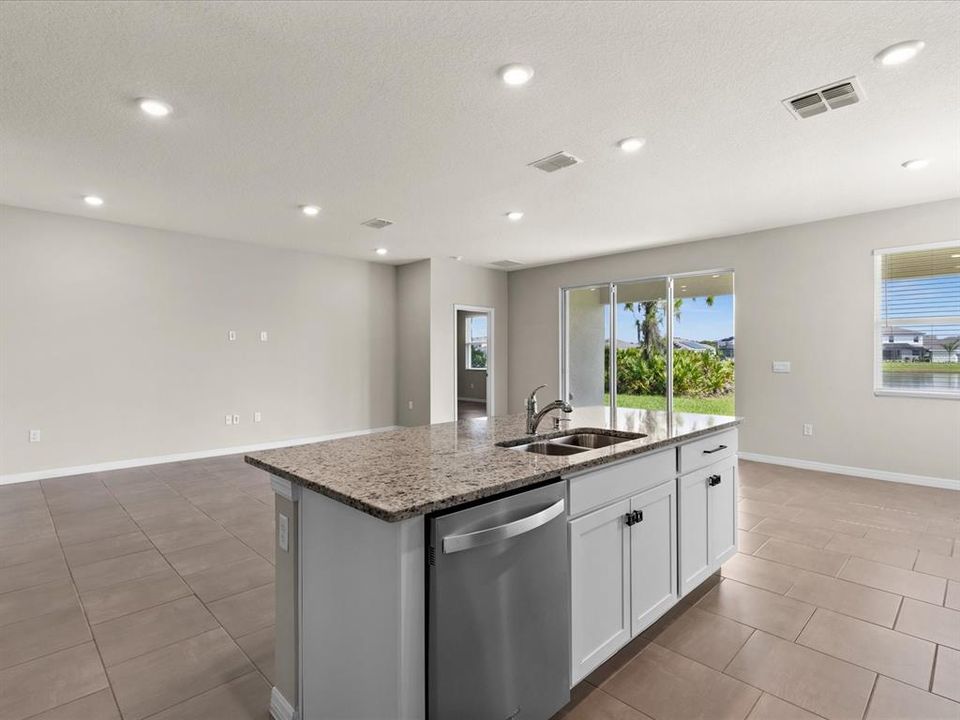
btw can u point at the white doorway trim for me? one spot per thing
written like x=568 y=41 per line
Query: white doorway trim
x=489 y=311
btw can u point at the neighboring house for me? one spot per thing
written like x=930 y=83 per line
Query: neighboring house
x=684 y=344
x=938 y=351
x=725 y=346
x=900 y=343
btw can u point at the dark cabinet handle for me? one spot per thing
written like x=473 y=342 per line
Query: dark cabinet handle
x=713 y=480
x=638 y=516
x=632 y=518
x=716 y=449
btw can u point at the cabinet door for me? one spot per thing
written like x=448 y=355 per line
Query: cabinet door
x=695 y=560
x=653 y=555
x=600 y=592
x=722 y=513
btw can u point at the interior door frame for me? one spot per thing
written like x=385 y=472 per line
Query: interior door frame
x=489 y=312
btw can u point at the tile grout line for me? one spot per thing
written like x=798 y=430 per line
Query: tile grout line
x=256 y=668
x=93 y=638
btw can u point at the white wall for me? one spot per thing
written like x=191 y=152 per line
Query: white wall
x=803 y=293
x=453 y=283
x=413 y=343
x=113 y=342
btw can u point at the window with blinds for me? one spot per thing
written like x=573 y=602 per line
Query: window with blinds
x=918 y=321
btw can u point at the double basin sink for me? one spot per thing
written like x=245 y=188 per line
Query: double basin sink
x=573 y=443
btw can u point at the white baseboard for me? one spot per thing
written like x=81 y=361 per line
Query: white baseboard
x=924 y=480
x=280 y=709
x=159 y=459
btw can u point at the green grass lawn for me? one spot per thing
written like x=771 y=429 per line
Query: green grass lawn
x=891 y=366
x=721 y=405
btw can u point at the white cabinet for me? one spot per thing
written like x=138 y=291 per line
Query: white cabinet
x=653 y=555
x=623 y=573
x=640 y=538
x=722 y=515
x=600 y=590
x=708 y=521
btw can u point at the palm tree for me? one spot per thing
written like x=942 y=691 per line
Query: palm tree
x=647 y=319
x=951 y=347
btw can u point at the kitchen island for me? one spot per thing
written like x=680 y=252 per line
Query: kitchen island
x=352 y=550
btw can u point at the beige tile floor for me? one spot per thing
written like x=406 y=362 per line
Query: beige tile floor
x=148 y=593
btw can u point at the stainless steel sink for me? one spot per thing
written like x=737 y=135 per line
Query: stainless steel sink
x=572 y=443
x=590 y=441
x=549 y=448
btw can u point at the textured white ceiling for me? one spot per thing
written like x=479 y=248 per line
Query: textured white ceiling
x=395 y=110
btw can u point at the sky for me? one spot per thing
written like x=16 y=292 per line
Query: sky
x=697 y=320
x=931 y=297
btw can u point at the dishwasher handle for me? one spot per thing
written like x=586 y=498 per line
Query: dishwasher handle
x=467 y=541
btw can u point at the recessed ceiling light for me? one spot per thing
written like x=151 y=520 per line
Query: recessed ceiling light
x=916 y=164
x=93 y=200
x=514 y=215
x=515 y=74
x=956 y=256
x=381 y=251
x=155 y=108
x=458 y=258
x=716 y=276
x=631 y=144
x=899 y=53
x=311 y=210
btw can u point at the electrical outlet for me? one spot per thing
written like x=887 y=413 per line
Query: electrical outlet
x=231 y=335
x=409 y=404
x=283 y=532
x=257 y=417
x=236 y=419
x=263 y=336
x=229 y=419
x=807 y=429
x=34 y=436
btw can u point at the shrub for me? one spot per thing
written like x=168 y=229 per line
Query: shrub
x=695 y=374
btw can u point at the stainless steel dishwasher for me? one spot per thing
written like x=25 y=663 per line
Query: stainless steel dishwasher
x=498 y=630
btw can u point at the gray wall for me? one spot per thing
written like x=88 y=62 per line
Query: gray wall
x=466 y=377
x=413 y=343
x=113 y=342
x=453 y=283
x=804 y=293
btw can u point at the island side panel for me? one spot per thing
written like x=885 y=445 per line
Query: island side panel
x=362 y=622
x=286 y=671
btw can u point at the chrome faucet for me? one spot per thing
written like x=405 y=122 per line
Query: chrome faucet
x=534 y=417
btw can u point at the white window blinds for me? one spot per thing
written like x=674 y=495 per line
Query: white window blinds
x=918 y=320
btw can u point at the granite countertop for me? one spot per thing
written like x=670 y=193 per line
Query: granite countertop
x=403 y=473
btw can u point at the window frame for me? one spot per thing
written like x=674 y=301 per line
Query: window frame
x=470 y=344
x=878 y=389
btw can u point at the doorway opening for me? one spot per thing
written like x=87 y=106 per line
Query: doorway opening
x=474 y=358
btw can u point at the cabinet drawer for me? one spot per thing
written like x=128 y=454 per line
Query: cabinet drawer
x=594 y=488
x=707 y=451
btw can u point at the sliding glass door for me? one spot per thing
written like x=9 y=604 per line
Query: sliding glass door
x=586 y=380
x=663 y=343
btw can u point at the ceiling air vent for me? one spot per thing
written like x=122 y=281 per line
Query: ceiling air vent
x=557 y=161
x=507 y=264
x=829 y=97
x=377 y=223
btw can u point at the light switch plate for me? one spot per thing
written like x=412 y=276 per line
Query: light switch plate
x=257 y=417
x=229 y=419
x=34 y=436
x=283 y=532
x=236 y=419
x=781 y=366
x=231 y=335
x=263 y=336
